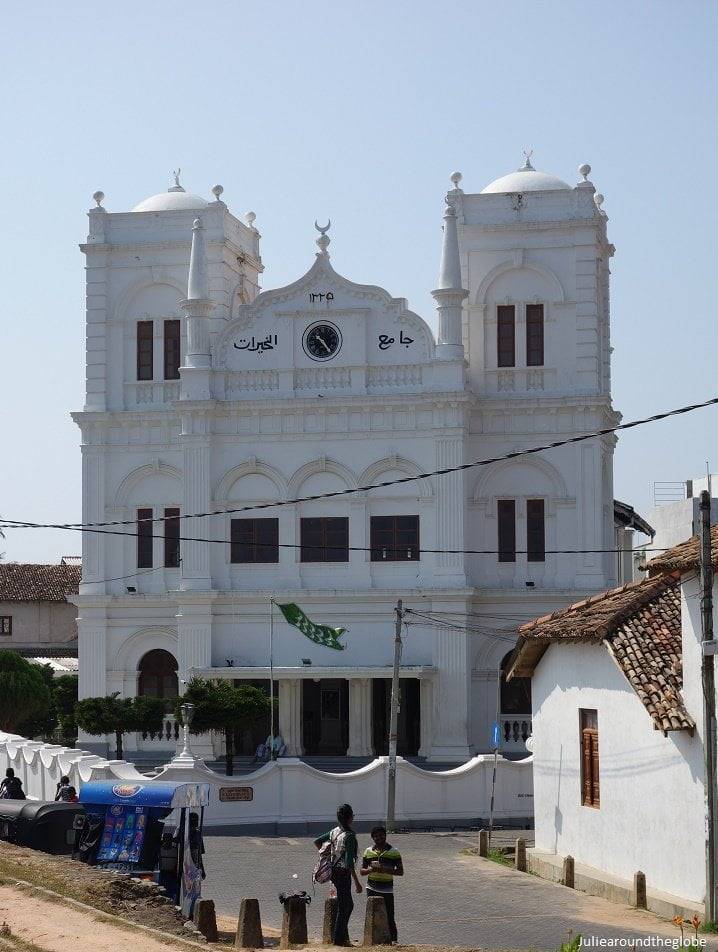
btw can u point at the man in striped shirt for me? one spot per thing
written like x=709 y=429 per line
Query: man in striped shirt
x=381 y=863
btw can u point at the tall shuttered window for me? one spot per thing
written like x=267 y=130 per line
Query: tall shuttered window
x=507 y=530
x=325 y=539
x=535 y=530
x=506 y=335
x=254 y=540
x=172 y=350
x=590 y=789
x=172 y=538
x=144 y=538
x=145 y=350
x=534 y=335
x=6 y=625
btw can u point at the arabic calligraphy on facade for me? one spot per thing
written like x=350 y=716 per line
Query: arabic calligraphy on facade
x=257 y=346
x=385 y=341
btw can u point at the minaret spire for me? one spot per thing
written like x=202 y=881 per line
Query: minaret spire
x=450 y=293
x=198 y=307
x=197 y=283
x=450 y=268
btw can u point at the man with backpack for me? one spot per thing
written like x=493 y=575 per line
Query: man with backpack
x=339 y=848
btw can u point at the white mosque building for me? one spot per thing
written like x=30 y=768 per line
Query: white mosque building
x=206 y=395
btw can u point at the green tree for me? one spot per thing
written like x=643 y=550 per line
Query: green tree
x=223 y=708
x=119 y=716
x=42 y=723
x=65 y=693
x=24 y=693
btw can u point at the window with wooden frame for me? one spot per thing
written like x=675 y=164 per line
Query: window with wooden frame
x=506 y=335
x=172 y=349
x=254 y=540
x=172 y=538
x=145 y=350
x=144 y=538
x=506 y=512
x=590 y=788
x=6 y=625
x=325 y=539
x=534 y=335
x=394 y=538
x=535 y=530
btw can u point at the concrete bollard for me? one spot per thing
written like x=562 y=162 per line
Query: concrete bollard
x=520 y=855
x=330 y=913
x=483 y=842
x=568 y=871
x=294 y=924
x=249 y=926
x=205 y=918
x=639 y=899
x=376 y=922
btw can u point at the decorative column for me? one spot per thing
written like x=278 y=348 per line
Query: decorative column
x=195 y=564
x=360 y=718
x=92 y=655
x=290 y=715
x=450 y=509
x=194 y=639
x=426 y=716
x=453 y=682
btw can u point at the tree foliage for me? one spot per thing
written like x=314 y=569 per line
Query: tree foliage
x=24 y=692
x=65 y=693
x=222 y=708
x=119 y=715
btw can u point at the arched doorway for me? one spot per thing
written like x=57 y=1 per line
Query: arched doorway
x=158 y=674
x=515 y=711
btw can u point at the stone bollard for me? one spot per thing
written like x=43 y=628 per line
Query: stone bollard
x=205 y=919
x=639 y=898
x=483 y=842
x=330 y=913
x=520 y=855
x=294 y=923
x=376 y=922
x=567 y=879
x=249 y=926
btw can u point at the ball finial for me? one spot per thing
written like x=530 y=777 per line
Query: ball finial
x=584 y=170
x=217 y=191
x=250 y=218
x=456 y=178
x=99 y=197
x=599 y=200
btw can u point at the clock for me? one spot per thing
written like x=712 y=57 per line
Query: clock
x=322 y=341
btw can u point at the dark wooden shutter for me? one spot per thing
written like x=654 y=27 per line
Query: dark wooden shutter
x=144 y=538
x=394 y=538
x=324 y=539
x=507 y=530
x=172 y=349
x=535 y=530
x=534 y=335
x=172 y=540
x=254 y=540
x=506 y=335
x=145 y=350
x=590 y=787
x=595 y=786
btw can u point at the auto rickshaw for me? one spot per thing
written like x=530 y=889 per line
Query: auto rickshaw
x=151 y=830
x=47 y=826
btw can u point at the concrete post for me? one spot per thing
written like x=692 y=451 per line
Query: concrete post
x=330 y=913
x=249 y=926
x=567 y=878
x=294 y=924
x=376 y=922
x=520 y=855
x=483 y=842
x=639 y=898
x=205 y=919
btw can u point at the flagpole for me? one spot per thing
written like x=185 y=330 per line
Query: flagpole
x=271 y=677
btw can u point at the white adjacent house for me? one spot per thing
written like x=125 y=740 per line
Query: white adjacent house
x=205 y=395
x=618 y=735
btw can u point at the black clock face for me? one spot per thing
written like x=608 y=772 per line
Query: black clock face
x=322 y=341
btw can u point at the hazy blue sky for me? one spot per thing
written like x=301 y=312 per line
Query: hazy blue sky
x=358 y=111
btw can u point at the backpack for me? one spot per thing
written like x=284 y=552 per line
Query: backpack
x=326 y=862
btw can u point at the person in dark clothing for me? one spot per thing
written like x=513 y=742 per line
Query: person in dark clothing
x=62 y=792
x=344 y=849
x=196 y=843
x=381 y=863
x=11 y=787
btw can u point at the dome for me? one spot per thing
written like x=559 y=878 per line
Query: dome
x=526 y=179
x=173 y=200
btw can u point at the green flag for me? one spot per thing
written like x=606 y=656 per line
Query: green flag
x=321 y=634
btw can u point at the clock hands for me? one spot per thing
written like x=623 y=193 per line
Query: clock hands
x=321 y=340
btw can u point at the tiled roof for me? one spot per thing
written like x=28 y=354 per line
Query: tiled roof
x=684 y=557
x=28 y=582
x=640 y=625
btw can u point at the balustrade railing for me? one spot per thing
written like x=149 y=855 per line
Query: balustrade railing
x=515 y=731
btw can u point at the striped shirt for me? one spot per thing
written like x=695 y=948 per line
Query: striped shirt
x=390 y=860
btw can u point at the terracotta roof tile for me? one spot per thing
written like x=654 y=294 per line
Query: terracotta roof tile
x=28 y=582
x=684 y=557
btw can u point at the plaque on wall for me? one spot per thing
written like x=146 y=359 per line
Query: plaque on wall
x=232 y=794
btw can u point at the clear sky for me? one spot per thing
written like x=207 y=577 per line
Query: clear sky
x=358 y=111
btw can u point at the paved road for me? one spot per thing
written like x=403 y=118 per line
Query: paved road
x=446 y=898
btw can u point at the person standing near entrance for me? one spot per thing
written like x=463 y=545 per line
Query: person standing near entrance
x=381 y=863
x=344 y=849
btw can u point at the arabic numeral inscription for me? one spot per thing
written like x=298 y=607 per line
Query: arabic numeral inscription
x=320 y=296
x=257 y=346
x=385 y=341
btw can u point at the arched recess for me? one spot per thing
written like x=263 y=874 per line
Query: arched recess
x=128 y=655
x=322 y=465
x=124 y=302
x=521 y=265
x=251 y=467
x=493 y=476
x=373 y=473
x=157 y=674
x=515 y=695
x=157 y=467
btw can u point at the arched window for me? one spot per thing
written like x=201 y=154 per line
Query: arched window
x=158 y=674
x=516 y=693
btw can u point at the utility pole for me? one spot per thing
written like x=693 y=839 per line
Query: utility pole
x=709 y=703
x=393 y=723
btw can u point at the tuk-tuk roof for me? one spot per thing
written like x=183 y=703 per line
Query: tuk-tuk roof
x=153 y=793
x=35 y=809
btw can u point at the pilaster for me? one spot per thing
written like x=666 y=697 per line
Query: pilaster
x=360 y=718
x=194 y=635
x=451 y=731
x=92 y=651
x=290 y=715
x=426 y=714
x=195 y=555
x=450 y=509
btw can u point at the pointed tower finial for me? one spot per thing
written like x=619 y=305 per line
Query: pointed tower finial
x=527 y=167
x=323 y=241
x=197 y=283
x=450 y=268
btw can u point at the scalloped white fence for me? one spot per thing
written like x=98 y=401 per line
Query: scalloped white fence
x=291 y=794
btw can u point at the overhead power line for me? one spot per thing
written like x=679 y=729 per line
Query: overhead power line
x=516 y=454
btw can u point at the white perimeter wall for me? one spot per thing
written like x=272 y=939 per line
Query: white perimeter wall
x=651 y=813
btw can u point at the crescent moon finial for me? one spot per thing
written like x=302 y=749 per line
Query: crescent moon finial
x=323 y=229
x=323 y=241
